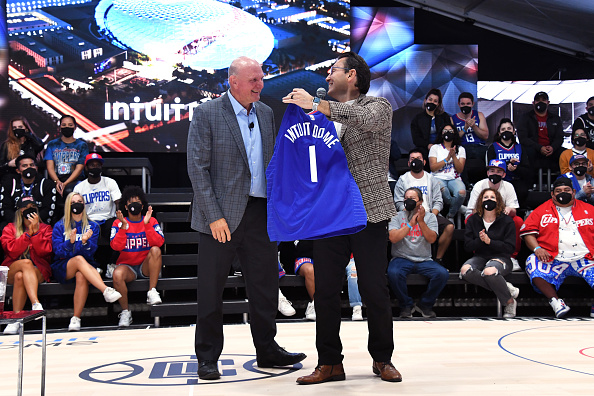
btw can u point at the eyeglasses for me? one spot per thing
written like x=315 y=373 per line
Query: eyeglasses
x=336 y=68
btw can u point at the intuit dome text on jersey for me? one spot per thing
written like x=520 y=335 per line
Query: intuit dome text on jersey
x=296 y=131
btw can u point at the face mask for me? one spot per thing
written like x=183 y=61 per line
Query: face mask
x=29 y=173
x=489 y=205
x=540 y=107
x=410 y=204
x=29 y=212
x=67 y=132
x=77 y=207
x=507 y=135
x=134 y=208
x=416 y=165
x=19 y=132
x=495 y=178
x=580 y=141
x=95 y=172
x=563 y=198
x=465 y=109
x=448 y=136
x=580 y=170
x=591 y=111
x=430 y=106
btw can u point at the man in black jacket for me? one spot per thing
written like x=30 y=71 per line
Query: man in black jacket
x=27 y=182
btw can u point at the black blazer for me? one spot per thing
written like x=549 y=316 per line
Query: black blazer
x=420 y=127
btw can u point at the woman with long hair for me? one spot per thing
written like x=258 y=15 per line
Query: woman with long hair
x=20 y=139
x=426 y=125
x=491 y=235
x=447 y=159
x=27 y=245
x=75 y=241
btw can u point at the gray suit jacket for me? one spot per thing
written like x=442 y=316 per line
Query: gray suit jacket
x=218 y=164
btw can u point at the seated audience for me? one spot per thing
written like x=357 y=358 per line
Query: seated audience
x=579 y=140
x=541 y=134
x=446 y=160
x=74 y=241
x=412 y=232
x=138 y=238
x=496 y=172
x=427 y=125
x=27 y=182
x=586 y=122
x=101 y=195
x=430 y=187
x=506 y=148
x=20 y=140
x=490 y=234
x=560 y=232
x=582 y=181
x=27 y=245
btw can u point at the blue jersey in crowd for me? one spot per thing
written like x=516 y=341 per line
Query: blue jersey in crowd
x=66 y=155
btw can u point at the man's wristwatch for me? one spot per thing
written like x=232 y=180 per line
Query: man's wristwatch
x=316 y=102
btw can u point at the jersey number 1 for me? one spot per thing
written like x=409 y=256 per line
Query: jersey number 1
x=313 y=167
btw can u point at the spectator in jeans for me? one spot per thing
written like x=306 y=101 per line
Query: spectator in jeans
x=412 y=232
x=491 y=236
x=138 y=238
x=101 y=195
x=446 y=160
x=74 y=241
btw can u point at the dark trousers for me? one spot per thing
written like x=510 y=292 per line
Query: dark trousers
x=258 y=258
x=331 y=256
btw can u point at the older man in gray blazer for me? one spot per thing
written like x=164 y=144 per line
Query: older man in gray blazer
x=230 y=143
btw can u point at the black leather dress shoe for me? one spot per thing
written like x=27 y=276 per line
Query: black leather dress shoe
x=278 y=357
x=208 y=370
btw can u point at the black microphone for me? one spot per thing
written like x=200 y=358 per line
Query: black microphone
x=251 y=126
x=321 y=93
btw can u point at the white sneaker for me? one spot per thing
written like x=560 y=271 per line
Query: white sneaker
x=37 y=307
x=109 y=271
x=74 y=324
x=125 y=318
x=516 y=265
x=514 y=291
x=509 y=311
x=285 y=306
x=12 y=328
x=357 y=313
x=559 y=307
x=111 y=295
x=310 y=312
x=152 y=297
x=99 y=270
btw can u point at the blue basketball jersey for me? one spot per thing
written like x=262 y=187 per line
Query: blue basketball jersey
x=311 y=192
x=505 y=154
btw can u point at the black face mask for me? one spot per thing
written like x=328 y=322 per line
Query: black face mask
x=448 y=136
x=489 y=205
x=507 y=135
x=28 y=212
x=495 y=178
x=134 y=208
x=95 y=172
x=430 y=106
x=540 y=107
x=563 y=198
x=410 y=204
x=591 y=111
x=580 y=170
x=465 y=109
x=19 y=132
x=77 y=208
x=67 y=132
x=580 y=141
x=416 y=165
x=29 y=173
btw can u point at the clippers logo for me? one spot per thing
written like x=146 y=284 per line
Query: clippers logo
x=548 y=219
x=180 y=370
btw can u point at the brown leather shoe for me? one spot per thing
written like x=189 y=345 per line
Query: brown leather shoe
x=323 y=373
x=387 y=371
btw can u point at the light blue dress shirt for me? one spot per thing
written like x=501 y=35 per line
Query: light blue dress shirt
x=252 y=141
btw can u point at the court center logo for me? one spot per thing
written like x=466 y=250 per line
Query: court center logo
x=180 y=370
